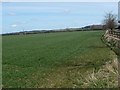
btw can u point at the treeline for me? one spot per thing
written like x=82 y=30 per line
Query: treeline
x=41 y=31
x=49 y=31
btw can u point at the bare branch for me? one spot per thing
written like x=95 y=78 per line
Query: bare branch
x=110 y=21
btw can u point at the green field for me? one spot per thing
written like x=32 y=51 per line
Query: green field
x=52 y=59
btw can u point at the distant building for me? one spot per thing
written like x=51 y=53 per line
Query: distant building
x=119 y=11
x=119 y=15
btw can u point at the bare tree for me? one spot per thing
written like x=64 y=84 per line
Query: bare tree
x=110 y=21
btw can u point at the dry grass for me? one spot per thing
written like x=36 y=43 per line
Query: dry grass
x=105 y=77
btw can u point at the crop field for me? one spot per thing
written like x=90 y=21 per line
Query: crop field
x=52 y=59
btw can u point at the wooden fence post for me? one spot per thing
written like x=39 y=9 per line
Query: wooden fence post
x=115 y=34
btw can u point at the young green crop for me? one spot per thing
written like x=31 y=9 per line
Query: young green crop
x=49 y=59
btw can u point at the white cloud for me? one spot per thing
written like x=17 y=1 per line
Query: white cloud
x=67 y=11
x=14 y=25
x=11 y=14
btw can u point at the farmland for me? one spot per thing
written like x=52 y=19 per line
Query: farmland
x=53 y=59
